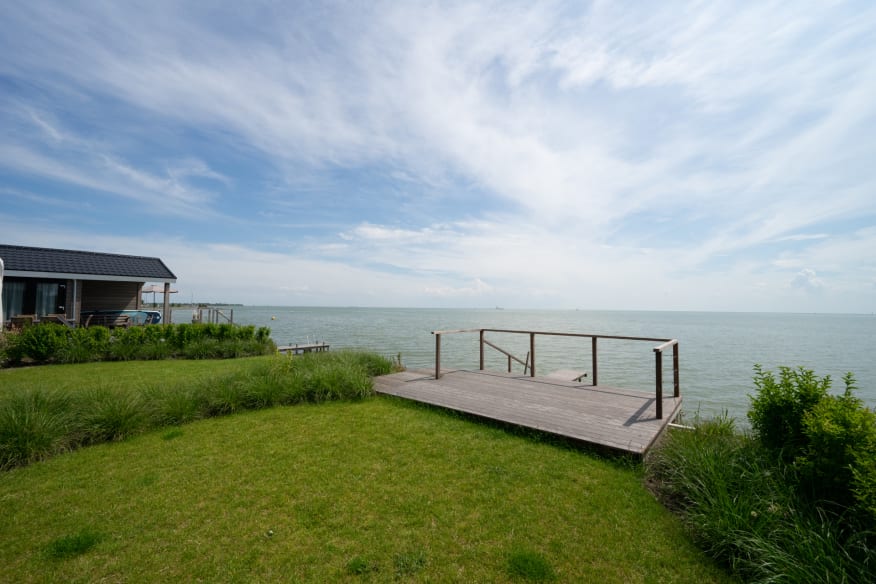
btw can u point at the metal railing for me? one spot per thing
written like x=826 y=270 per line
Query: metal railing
x=212 y=315
x=531 y=363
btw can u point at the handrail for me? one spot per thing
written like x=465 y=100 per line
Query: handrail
x=658 y=355
x=510 y=356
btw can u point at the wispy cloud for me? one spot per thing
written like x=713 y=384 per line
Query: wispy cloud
x=494 y=148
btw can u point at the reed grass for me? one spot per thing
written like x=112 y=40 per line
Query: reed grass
x=740 y=506
x=39 y=420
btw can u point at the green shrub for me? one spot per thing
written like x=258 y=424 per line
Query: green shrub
x=10 y=353
x=779 y=406
x=840 y=436
x=203 y=348
x=792 y=502
x=741 y=506
x=829 y=441
x=84 y=345
x=864 y=487
x=51 y=343
x=42 y=342
x=155 y=351
x=122 y=351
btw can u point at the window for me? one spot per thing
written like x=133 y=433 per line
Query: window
x=13 y=298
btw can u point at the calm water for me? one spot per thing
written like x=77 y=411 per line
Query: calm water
x=717 y=350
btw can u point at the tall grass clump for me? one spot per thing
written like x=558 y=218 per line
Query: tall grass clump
x=33 y=426
x=105 y=415
x=38 y=423
x=789 y=501
x=312 y=377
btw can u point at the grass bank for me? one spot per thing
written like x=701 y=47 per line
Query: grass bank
x=48 y=410
x=369 y=491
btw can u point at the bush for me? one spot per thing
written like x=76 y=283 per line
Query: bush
x=52 y=343
x=42 y=342
x=829 y=441
x=84 y=345
x=10 y=354
x=795 y=501
x=840 y=437
x=740 y=504
x=778 y=408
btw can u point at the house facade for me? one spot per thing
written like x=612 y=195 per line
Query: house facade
x=41 y=281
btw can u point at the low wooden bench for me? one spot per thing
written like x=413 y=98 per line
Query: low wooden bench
x=567 y=375
x=108 y=320
x=20 y=321
x=57 y=319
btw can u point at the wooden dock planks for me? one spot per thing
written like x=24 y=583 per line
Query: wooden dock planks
x=305 y=348
x=615 y=418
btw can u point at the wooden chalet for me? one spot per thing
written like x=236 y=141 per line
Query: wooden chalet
x=38 y=282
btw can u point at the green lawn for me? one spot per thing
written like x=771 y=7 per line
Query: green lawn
x=369 y=491
x=176 y=373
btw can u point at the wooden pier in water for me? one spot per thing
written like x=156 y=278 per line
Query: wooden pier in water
x=564 y=404
x=300 y=349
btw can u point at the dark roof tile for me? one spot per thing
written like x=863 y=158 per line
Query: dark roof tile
x=66 y=261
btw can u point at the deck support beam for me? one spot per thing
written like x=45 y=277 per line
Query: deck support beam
x=593 y=359
x=658 y=356
x=165 y=313
x=437 y=355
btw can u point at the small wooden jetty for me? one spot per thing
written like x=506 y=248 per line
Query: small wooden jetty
x=565 y=403
x=297 y=349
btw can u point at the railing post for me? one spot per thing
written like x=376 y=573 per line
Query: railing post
x=676 y=389
x=509 y=363
x=438 y=356
x=658 y=355
x=532 y=354
x=482 y=350
x=593 y=358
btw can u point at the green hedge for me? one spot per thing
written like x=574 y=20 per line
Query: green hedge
x=55 y=343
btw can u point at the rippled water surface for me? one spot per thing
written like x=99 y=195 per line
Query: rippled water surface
x=717 y=350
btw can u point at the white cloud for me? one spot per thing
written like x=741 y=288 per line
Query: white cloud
x=602 y=154
x=807 y=279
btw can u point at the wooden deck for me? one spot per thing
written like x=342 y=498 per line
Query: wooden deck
x=305 y=348
x=617 y=419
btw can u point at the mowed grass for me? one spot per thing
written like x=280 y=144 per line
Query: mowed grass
x=370 y=491
x=130 y=374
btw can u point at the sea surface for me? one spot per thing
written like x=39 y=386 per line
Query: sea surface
x=717 y=350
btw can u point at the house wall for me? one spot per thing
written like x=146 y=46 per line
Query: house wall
x=98 y=295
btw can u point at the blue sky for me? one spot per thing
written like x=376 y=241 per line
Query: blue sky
x=605 y=155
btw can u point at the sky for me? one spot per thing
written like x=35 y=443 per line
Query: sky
x=715 y=156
